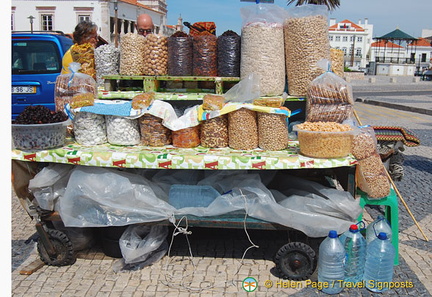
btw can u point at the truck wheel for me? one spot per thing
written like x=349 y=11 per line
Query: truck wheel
x=296 y=261
x=63 y=246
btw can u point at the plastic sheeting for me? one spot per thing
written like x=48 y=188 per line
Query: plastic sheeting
x=96 y=197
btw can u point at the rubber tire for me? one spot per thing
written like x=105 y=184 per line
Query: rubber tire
x=296 y=251
x=63 y=246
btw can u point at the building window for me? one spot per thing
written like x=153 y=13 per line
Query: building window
x=345 y=38
x=83 y=17
x=337 y=38
x=358 y=52
x=351 y=38
x=359 y=39
x=47 y=21
x=331 y=38
x=344 y=49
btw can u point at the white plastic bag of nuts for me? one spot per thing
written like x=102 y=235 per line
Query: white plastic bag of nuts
x=131 y=54
x=262 y=46
x=306 y=42
x=155 y=55
x=107 y=62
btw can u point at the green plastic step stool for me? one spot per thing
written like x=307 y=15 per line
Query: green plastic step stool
x=391 y=213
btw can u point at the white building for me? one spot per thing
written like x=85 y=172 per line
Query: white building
x=64 y=15
x=353 y=39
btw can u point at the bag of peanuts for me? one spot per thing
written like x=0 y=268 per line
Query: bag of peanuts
x=262 y=46
x=371 y=176
x=306 y=42
x=72 y=84
x=329 y=98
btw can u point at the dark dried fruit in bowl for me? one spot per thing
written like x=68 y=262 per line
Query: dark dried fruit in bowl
x=39 y=114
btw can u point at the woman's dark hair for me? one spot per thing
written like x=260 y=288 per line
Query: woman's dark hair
x=83 y=31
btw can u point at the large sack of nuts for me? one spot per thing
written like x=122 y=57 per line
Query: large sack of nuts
x=243 y=129
x=337 y=61
x=155 y=55
x=72 y=84
x=262 y=46
x=228 y=49
x=180 y=54
x=329 y=98
x=107 y=62
x=306 y=42
x=371 y=176
x=132 y=54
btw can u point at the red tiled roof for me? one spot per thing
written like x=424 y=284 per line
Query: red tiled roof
x=136 y=3
x=420 y=42
x=352 y=26
x=382 y=43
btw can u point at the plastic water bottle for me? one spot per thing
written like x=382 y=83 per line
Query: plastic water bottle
x=377 y=226
x=355 y=248
x=331 y=262
x=378 y=272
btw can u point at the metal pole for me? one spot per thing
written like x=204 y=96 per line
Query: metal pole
x=31 y=23
x=115 y=23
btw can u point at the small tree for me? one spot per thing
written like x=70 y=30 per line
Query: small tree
x=331 y=4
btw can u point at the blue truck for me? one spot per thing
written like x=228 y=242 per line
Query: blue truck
x=36 y=63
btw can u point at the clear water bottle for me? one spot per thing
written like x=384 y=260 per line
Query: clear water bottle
x=331 y=262
x=377 y=226
x=378 y=271
x=355 y=248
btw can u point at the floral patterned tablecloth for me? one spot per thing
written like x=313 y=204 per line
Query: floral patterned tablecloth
x=169 y=157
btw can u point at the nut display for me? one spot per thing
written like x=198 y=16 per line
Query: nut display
x=132 y=54
x=155 y=55
x=269 y=101
x=262 y=51
x=272 y=131
x=84 y=54
x=89 y=128
x=144 y=100
x=243 y=129
x=122 y=131
x=82 y=99
x=306 y=42
x=371 y=177
x=324 y=139
x=364 y=144
x=70 y=84
x=214 y=132
x=204 y=55
x=153 y=133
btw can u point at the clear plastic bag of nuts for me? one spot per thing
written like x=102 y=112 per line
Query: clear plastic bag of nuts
x=180 y=54
x=272 y=131
x=243 y=129
x=329 y=97
x=70 y=84
x=306 y=42
x=204 y=55
x=214 y=132
x=131 y=54
x=153 y=132
x=262 y=47
x=187 y=137
x=155 y=55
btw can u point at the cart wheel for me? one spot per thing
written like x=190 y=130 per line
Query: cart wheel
x=296 y=261
x=63 y=247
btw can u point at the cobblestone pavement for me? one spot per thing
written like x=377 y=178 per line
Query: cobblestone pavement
x=217 y=269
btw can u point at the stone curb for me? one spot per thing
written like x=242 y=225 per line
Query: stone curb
x=395 y=106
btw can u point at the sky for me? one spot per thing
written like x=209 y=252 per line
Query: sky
x=410 y=16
